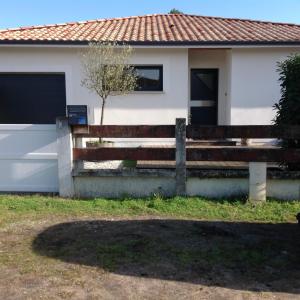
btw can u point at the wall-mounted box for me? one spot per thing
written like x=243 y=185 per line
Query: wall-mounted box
x=77 y=114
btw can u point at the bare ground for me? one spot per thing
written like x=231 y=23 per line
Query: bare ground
x=148 y=258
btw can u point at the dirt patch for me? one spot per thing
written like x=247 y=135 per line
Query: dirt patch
x=150 y=259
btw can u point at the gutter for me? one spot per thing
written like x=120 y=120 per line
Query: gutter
x=187 y=44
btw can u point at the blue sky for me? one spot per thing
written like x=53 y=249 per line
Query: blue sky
x=16 y=13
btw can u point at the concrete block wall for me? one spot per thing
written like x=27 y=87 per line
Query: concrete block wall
x=114 y=187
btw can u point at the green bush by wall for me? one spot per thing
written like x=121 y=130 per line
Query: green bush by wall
x=288 y=107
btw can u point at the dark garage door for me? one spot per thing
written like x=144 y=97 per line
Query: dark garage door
x=32 y=98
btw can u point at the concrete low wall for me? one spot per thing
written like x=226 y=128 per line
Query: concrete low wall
x=116 y=187
x=142 y=184
x=285 y=189
x=217 y=187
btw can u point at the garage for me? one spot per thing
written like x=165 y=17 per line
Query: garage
x=30 y=103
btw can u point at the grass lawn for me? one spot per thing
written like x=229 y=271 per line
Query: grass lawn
x=155 y=248
x=14 y=206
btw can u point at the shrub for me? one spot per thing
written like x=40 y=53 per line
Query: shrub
x=175 y=11
x=288 y=107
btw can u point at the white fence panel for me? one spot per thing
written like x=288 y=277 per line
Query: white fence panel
x=28 y=158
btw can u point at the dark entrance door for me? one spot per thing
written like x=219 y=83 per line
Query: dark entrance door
x=204 y=96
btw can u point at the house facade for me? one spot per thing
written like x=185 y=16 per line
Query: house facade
x=208 y=70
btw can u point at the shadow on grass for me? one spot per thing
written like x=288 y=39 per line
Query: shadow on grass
x=243 y=256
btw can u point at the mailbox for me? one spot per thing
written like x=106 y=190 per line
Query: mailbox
x=77 y=114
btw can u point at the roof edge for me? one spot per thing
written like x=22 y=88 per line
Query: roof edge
x=151 y=43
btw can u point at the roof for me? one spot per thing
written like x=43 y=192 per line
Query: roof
x=167 y=29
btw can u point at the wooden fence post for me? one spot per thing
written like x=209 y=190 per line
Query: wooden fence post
x=257 y=182
x=180 y=134
x=65 y=157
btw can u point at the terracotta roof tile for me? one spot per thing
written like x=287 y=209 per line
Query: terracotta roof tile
x=169 y=28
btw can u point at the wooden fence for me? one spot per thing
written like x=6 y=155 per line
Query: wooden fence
x=180 y=153
x=182 y=132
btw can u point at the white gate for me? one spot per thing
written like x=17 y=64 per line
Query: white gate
x=28 y=158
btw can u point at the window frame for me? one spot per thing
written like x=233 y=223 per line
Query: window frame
x=161 y=74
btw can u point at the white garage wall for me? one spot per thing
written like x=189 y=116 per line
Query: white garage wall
x=254 y=84
x=136 y=108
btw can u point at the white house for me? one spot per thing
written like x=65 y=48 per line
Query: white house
x=209 y=69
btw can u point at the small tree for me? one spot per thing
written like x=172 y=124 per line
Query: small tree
x=175 y=11
x=288 y=107
x=107 y=71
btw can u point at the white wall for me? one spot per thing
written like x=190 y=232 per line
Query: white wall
x=136 y=108
x=154 y=107
x=214 y=59
x=248 y=82
x=254 y=84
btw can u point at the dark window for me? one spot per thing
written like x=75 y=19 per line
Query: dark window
x=150 y=78
x=204 y=84
x=31 y=98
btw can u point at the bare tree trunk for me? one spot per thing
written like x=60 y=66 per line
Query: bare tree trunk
x=102 y=116
x=102 y=111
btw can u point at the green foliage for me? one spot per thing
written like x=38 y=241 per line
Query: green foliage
x=129 y=163
x=107 y=70
x=288 y=107
x=175 y=11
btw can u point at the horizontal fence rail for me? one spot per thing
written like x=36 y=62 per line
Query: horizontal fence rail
x=192 y=154
x=243 y=154
x=126 y=131
x=243 y=131
x=192 y=131
x=124 y=154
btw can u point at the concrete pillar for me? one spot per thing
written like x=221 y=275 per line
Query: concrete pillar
x=257 y=182
x=65 y=157
x=180 y=134
x=79 y=143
